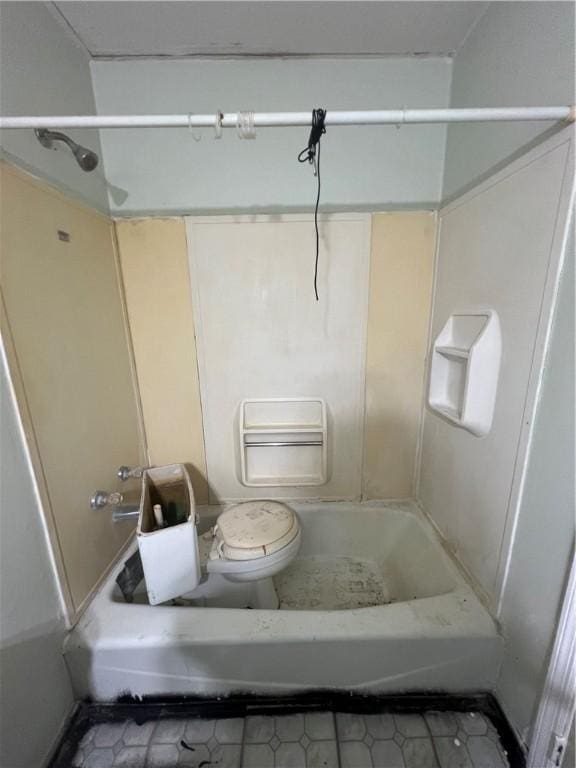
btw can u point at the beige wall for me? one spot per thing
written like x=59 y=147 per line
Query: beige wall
x=154 y=258
x=70 y=361
x=401 y=274
x=153 y=254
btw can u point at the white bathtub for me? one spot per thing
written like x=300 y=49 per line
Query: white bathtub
x=424 y=629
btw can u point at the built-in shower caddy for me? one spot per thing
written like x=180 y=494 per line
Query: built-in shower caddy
x=464 y=370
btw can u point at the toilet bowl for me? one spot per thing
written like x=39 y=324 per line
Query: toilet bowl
x=251 y=541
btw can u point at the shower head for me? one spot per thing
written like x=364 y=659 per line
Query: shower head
x=86 y=159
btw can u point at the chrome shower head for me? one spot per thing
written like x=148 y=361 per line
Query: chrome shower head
x=86 y=159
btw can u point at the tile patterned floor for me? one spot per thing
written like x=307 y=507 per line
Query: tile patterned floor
x=310 y=740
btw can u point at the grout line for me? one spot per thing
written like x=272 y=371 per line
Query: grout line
x=241 y=741
x=434 y=750
x=338 y=755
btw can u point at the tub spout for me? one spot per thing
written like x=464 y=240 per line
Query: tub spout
x=125 y=512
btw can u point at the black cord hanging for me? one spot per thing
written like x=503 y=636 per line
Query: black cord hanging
x=309 y=154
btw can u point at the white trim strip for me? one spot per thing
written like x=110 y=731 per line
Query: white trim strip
x=557 y=705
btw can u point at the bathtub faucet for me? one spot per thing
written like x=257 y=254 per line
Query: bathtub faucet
x=103 y=499
x=127 y=473
x=125 y=512
x=120 y=511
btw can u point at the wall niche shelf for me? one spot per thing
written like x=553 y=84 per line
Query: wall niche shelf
x=283 y=442
x=465 y=364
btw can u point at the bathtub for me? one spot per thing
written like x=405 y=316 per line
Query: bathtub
x=373 y=604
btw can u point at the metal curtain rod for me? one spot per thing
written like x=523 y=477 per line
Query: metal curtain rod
x=276 y=119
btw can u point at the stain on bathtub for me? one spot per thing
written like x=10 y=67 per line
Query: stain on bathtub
x=331 y=584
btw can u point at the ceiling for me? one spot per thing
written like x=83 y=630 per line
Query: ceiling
x=118 y=28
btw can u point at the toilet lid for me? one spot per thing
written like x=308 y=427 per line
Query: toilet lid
x=255 y=529
x=255 y=523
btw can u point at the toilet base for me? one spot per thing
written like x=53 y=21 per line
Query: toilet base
x=216 y=591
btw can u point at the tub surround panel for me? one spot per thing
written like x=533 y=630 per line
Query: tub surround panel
x=154 y=261
x=261 y=334
x=65 y=314
x=159 y=302
x=499 y=248
x=401 y=271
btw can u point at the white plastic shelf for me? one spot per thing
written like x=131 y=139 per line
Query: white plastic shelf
x=453 y=352
x=283 y=442
x=465 y=364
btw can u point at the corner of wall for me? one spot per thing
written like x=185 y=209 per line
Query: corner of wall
x=516 y=54
x=45 y=70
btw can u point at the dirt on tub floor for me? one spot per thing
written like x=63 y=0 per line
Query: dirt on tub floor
x=331 y=584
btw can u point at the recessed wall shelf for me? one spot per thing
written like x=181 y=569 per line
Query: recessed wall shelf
x=453 y=352
x=465 y=364
x=283 y=442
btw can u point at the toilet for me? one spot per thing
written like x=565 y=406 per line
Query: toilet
x=251 y=541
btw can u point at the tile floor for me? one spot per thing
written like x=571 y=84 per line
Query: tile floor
x=309 y=740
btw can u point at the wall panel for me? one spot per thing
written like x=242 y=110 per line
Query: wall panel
x=153 y=254
x=499 y=248
x=401 y=269
x=154 y=260
x=262 y=334
x=65 y=314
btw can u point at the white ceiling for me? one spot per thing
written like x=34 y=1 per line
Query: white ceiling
x=118 y=28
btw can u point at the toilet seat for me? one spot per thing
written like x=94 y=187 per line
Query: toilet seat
x=258 y=568
x=253 y=530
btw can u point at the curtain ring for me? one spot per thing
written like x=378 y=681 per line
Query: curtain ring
x=218 y=125
x=245 y=125
x=195 y=136
x=403 y=120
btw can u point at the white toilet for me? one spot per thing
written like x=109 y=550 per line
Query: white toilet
x=249 y=544
x=251 y=541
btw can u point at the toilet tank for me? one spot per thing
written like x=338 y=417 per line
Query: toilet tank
x=169 y=554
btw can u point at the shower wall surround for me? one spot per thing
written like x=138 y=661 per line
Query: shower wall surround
x=154 y=259
x=395 y=304
x=499 y=248
x=71 y=367
x=261 y=334
x=401 y=274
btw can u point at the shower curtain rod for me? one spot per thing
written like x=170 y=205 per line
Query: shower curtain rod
x=277 y=119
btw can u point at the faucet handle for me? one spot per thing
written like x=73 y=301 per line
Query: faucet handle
x=126 y=473
x=101 y=499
